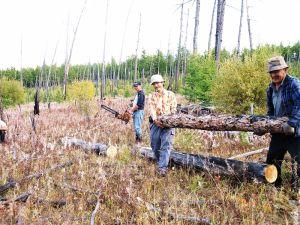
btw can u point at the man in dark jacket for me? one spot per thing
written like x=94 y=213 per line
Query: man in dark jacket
x=137 y=110
x=283 y=98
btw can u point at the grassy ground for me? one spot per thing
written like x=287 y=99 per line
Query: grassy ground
x=118 y=183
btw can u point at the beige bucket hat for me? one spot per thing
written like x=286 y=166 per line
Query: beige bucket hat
x=276 y=63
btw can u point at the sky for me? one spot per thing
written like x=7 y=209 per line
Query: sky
x=31 y=29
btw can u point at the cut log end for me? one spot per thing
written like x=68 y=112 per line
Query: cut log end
x=111 y=152
x=271 y=173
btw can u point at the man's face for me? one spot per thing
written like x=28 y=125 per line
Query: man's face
x=158 y=86
x=137 y=88
x=277 y=76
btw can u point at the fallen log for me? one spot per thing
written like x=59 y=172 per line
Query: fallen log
x=216 y=165
x=257 y=124
x=12 y=183
x=98 y=148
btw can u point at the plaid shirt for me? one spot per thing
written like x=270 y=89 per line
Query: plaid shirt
x=290 y=89
x=162 y=104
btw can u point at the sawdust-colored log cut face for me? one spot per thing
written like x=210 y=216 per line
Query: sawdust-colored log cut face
x=3 y=126
x=271 y=173
x=111 y=151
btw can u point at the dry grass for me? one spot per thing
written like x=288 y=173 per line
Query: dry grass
x=117 y=183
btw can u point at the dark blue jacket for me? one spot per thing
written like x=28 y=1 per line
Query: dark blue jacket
x=141 y=100
x=290 y=100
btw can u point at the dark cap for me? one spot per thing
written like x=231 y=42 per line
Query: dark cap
x=136 y=83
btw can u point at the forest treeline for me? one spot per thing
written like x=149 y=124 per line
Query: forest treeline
x=242 y=78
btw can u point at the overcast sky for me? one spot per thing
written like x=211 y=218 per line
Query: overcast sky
x=41 y=24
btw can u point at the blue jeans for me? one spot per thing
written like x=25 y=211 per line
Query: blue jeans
x=138 y=117
x=161 y=144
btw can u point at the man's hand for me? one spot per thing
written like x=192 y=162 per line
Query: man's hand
x=287 y=129
x=158 y=123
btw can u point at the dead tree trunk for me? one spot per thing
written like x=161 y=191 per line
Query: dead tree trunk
x=99 y=149
x=179 y=50
x=136 y=51
x=195 y=38
x=68 y=57
x=216 y=165
x=103 y=80
x=36 y=109
x=249 y=27
x=240 y=27
x=257 y=124
x=1 y=108
x=219 y=30
x=211 y=27
x=21 y=68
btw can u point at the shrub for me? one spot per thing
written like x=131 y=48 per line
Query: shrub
x=82 y=92
x=12 y=92
x=242 y=82
x=200 y=73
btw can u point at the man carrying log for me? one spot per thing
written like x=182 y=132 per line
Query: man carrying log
x=161 y=102
x=283 y=99
x=137 y=110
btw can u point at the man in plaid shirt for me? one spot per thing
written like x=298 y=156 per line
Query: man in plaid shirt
x=283 y=98
x=161 y=102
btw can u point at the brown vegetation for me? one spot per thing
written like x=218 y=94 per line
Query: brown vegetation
x=118 y=184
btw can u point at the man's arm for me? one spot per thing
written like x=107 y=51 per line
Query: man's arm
x=152 y=107
x=294 y=118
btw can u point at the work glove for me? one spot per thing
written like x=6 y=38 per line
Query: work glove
x=287 y=129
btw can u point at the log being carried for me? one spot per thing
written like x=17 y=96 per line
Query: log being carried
x=256 y=124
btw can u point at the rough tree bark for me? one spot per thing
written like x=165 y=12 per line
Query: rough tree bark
x=257 y=124
x=215 y=165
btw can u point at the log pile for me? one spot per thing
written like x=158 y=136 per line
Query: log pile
x=257 y=124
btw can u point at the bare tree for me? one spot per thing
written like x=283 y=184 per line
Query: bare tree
x=68 y=58
x=219 y=30
x=179 y=48
x=249 y=27
x=103 y=80
x=136 y=50
x=49 y=74
x=1 y=109
x=211 y=26
x=185 y=49
x=38 y=84
x=123 y=39
x=240 y=27
x=21 y=69
x=195 y=47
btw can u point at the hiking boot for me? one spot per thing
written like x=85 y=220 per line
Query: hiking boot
x=162 y=172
